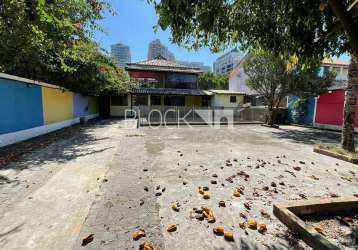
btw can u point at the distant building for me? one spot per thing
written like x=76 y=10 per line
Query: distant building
x=227 y=62
x=157 y=50
x=121 y=54
x=340 y=67
x=195 y=64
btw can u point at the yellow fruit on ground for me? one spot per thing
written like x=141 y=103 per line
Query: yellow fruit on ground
x=146 y=246
x=252 y=224
x=171 y=228
x=138 y=234
x=219 y=230
x=262 y=228
x=229 y=236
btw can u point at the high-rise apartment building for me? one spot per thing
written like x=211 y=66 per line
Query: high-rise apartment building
x=121 y=54
x=195 y=64
x=157 y=50
x=227 y=62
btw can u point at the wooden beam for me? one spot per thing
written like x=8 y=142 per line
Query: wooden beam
x=288 y=213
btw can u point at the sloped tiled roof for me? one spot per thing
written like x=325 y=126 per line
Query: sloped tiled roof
x=168 y=91
x=339 y=62
x=163 y=65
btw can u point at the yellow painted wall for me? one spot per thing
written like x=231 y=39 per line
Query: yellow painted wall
x=193 y=101
x=223 y=100
x=57 y=105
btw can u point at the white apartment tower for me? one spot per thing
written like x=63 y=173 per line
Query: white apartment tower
x=227 y=62
x=157 y=50
x=121 y=54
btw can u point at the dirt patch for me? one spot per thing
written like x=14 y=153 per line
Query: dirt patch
x=341 y=228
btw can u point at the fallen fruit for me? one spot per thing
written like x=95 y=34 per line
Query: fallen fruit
x=138 y=234
x=236 y=193
x=87 y=240
x=172 y=228
x=242 y=215
x=262 y=228
x=265 y=214
x=146 y=246
x=222 y=204
x=229 y=236
x=176 y=206
x=297 y=168
x=219 y=230
x=247 y=205
x=206 y=195
x=208 y=214
x=252 y=224
x=242 y=224
x=199 y=217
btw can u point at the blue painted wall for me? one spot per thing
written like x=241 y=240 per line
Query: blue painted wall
x=308 y=107
x=21 y=106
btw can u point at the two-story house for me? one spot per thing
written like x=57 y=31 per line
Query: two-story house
x=162 y=83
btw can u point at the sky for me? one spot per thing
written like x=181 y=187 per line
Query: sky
x=133 y=26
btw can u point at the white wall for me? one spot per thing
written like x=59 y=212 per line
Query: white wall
x=237 y=81
x=220 y=100
x=22 y=135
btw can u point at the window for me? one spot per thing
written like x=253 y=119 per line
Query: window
x=155 y=100
x=120 y=100
x=205 y=101
x=232 y=99
x=140 y=100
x=181 y=81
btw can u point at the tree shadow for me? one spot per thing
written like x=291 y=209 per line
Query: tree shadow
x=290 y=242
x=4 y=235
x=6 y=180
x=59 y=146
x=307 y=135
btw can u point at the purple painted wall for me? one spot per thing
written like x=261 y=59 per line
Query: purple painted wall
x=80 y=105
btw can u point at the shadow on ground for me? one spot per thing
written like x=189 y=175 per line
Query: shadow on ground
x=60 y=146
x=308 y=136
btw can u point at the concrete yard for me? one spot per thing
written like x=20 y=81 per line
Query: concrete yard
x=94 y=182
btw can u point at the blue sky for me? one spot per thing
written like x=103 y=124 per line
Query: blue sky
x=133 y=25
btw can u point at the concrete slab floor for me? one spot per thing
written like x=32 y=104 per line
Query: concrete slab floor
x=102 y=192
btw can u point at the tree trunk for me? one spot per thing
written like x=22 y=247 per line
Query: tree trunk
x=270 y=116
x=350 y=107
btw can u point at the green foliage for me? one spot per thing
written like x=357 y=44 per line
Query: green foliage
x=210 y=80
x=273 y=77
x=51 y=40
x=283 y=26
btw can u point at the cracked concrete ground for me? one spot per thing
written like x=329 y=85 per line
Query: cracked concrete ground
x=93 y=183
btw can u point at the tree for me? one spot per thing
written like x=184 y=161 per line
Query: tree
x=305 y=28
x=210 y=80
x=52 y=41
x=274 y=78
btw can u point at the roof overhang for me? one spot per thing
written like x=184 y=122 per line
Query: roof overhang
x=226 y=92
x=166 y=91
x=162 y=69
